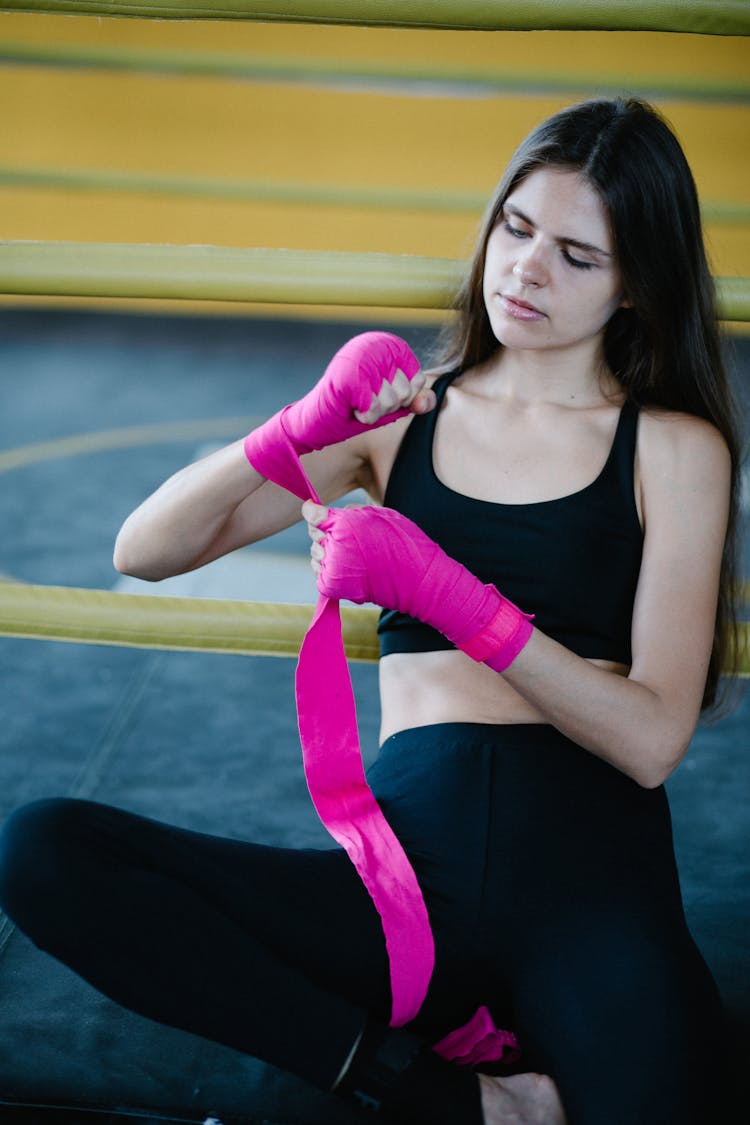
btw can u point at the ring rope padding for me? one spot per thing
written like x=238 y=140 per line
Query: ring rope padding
x=704 y=17
x=64 y=613
x=103 y=617
x=220 y=273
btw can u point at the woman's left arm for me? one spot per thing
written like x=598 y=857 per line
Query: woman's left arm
x=643 y=723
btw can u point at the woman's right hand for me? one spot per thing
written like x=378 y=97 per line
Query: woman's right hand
x=371 y=381
x=396 y=398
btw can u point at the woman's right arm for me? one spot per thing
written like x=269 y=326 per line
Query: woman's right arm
x=221 y=503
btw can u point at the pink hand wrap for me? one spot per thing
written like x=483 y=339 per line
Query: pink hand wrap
x=325 y=700
x=377 y=555
x=325 y=416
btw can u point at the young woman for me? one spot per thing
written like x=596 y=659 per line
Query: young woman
x=572 y=456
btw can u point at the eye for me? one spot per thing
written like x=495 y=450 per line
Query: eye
x=515 y=231
x=576 y=262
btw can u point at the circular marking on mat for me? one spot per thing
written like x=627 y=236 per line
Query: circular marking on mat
x=126 y=437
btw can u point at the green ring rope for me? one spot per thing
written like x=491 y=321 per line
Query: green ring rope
x=703 y=17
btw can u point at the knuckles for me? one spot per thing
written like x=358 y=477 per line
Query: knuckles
x=380 y=371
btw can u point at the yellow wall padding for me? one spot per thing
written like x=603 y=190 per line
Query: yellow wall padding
x=215 y=273
x=377 y=197
x=712 y=17
x=63 y=613
x=443 y=76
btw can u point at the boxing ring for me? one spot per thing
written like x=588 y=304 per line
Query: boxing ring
x=209 y=273
x=226 y=627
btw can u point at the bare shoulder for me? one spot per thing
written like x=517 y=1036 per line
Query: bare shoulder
x=677 y=449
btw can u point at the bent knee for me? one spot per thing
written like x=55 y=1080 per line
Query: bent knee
x=33 y=850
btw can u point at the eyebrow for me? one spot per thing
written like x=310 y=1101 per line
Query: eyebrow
x=588 y=246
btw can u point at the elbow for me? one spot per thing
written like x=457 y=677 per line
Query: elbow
x=120 y=561
x=657 y=741
x=125 y=562
x=657 y=766
x=124 y=558
x=651 y=778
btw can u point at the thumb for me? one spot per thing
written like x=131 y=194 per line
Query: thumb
x=423 y=402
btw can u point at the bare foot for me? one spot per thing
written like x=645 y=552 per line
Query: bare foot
x=522 y=1099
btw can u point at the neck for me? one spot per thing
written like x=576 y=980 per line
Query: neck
x=552 y=377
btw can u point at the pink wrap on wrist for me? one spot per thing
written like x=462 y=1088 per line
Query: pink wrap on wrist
x=325 y=416
x=498 y=643
x=377 y=555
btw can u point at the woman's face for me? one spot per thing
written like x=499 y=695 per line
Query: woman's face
x=550 y=276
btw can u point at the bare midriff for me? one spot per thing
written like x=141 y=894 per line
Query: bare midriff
x=422 y=688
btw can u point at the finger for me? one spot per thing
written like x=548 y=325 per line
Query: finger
x=384 y=402
x=368 y=418
x=313 y=513
x=387 y=399
x=408 y=389
x=394 y=395
x=317 y=552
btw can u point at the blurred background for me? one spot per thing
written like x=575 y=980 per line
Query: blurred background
x=328 y=137
x=245 y=134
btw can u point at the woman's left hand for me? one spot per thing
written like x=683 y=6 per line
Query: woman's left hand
x=315 y=514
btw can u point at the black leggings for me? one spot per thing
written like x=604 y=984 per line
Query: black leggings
x=552 y=891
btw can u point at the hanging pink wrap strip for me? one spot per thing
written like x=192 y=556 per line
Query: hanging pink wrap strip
x=334 y=770
x=332 y=759
x=346 y=805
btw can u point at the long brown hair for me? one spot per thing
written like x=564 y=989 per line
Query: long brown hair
x=664 y=348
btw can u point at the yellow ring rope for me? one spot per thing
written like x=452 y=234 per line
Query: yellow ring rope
x=101 y=617
x=218 y=273
x=63 y=613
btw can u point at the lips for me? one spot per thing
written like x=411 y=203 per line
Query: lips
x=520 y=310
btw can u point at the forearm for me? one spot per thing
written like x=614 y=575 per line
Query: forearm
x=642 y=723
x=229 y=499
x=174 y=529
x=619 y=719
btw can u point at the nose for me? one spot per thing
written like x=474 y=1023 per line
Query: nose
x=530 y=268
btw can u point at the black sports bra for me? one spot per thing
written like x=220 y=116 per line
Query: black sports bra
x=573 y=562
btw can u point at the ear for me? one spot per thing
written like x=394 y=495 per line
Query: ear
x=625 y=303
